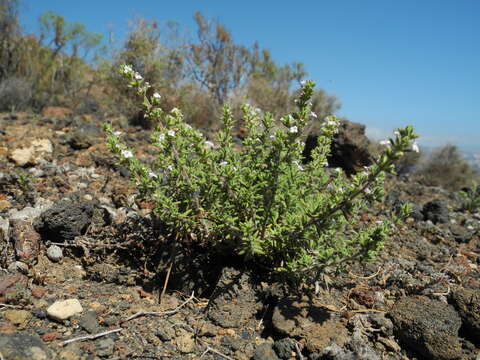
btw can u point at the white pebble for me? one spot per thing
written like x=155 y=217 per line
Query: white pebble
x=55 y=253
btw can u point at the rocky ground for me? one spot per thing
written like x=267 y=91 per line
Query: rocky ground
x=82 y=265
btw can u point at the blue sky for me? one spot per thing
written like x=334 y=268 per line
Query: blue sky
x=391 y=63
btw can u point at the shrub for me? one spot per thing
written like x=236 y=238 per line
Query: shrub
x=446 y=168
x=9 y=39
x=15 y=94
x=471 y=198
x=259 y=200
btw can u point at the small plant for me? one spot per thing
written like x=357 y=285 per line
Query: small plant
x=471 y=198
x=259 y=200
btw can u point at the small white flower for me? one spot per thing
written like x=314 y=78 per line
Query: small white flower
x=138 y=76
x=293 y=130
x=300 y=167
x=396 y=133
x=152 y=174
x=126 y=154
x=338 y=170
x=117 y=133
x=161 y=137
x=188 y=126
x=385 y=142
x=272 y=137
x=312 y=114
x=329 y=123
x=170 y=167
x=258 y=110
x=415 y=147
x=156 y=95
x=223 y=163
x=209 y=144
x=303 y=83
x=368 y=191
x=171 y=132
x=127 y=69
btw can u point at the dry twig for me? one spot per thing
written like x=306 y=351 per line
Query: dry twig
x=10 y=306
x=209 y=349
x=160 y=313
x=90 y=337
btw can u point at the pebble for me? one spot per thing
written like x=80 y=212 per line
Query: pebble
x=55 y=253
x=24 y=347
x=264 y=351
x=62 y=310
x=39 y=313
x=185 y=343
x=105 y=347
x=5 y=204
x=18 y=266
x=19 y=318
x=89 y=322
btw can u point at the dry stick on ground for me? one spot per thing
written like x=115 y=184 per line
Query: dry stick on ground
x=365 y=277
x=160 y=313
x=209 y=349
x=169 y=270
x=10 y=306
x=91 y=337
x=140 y=313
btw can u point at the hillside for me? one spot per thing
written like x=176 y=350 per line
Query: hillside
x=71 y=230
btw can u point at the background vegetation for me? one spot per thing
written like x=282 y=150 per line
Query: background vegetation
x=64 y=64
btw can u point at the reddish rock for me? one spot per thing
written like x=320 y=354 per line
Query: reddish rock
x=144 y=294
x=38 y=292
x=6 y=327
x=26 y=239
x=51 y=336
x=9 y=280
x=146 y=205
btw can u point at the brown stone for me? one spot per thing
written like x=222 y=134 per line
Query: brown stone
x=56 y=112
x=38 y=292
x=37 y=150
x=26 y=240
x=19 y=318
x=4 y=204
x=7 y=281
x=311 y=321
x=51 y=336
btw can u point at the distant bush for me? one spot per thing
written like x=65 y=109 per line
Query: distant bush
x=408 y=163
x=446 y=168
x=49 y=69
x=471 y=198
x=10 y=38
x=15 y=94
